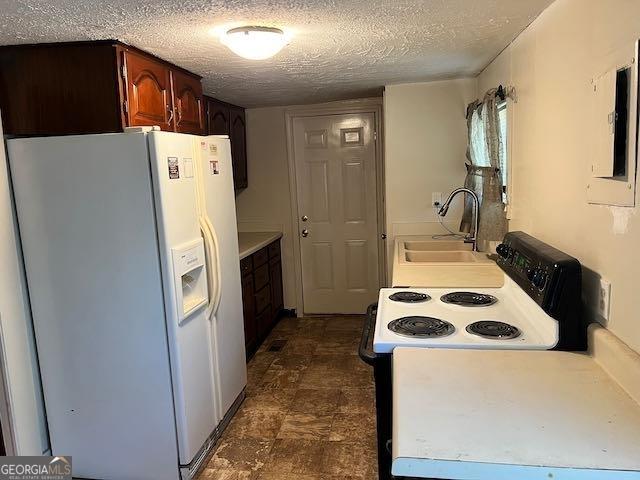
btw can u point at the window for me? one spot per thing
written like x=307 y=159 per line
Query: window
x=478 y=145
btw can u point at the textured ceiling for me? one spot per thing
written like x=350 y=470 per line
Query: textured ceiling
x=340 y=48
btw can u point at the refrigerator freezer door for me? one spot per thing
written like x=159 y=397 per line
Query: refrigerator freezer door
x=192 y=359
x=86 y=216
x=214 y=154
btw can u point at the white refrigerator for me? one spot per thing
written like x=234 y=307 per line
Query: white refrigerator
x=131 y=255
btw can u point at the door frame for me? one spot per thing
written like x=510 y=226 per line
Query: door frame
x=366 y=105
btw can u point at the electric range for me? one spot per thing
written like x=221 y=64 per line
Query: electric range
x=497 y=318
x=537 y=308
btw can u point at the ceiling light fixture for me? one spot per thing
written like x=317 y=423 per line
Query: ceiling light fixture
x=255 y=43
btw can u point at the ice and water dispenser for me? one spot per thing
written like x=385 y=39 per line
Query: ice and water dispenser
x=190 y=277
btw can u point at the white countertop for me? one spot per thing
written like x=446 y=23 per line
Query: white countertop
x=250 y=242
x=498 y=415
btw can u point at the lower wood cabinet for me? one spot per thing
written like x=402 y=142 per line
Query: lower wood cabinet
x=262 y=294
x=275 y=274
x=248 y=307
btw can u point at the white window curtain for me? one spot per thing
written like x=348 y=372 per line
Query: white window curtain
x=485 y=162
x=477 y=141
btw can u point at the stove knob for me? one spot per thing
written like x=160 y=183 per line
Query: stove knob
x=502 y=250
x=540 y=279
x=531 y=273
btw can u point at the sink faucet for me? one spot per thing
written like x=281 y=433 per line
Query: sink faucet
x=472 y=237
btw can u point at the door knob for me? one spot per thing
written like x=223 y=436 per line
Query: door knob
x=304 y=218
x=305 y=232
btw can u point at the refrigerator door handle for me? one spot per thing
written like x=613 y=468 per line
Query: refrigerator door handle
x=214 y=276
x=208 y=247
x=218 y=271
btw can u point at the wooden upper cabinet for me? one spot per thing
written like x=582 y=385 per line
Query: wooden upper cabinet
x=148 y=90
x=51 y=89
x=187 y=94
x=238 y=135
x=94 y=87
x=226 y=119
x=217 y=117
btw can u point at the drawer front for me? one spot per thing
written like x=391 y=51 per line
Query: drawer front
x=246 y=265
x=263 y=299
x=260 y=257
x=274 y=249
x=261 y=277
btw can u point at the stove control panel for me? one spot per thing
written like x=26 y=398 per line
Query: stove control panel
x=551 y=278
x=541 y=270
x=534 y=270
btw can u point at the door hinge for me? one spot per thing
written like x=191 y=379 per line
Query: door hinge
x=123 y=71
x=125 y=106
x=375 y=136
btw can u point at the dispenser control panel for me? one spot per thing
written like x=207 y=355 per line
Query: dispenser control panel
x=190 y=278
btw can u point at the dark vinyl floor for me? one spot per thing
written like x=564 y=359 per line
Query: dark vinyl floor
x=309 y=412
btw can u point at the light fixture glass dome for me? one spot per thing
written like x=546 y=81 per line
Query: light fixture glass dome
x=255 y=43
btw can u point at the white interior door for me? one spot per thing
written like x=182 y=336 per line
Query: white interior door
x=336 y=188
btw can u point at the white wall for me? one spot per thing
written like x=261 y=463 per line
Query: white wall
x=425 y=147
x=551 y=65
x=266 y=205
x=19 y=359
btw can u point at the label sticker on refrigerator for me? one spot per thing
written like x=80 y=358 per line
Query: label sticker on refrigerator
x=213 y=167
x=203 y=145
x=174 y=168
x=213 y=149
x=188 y=168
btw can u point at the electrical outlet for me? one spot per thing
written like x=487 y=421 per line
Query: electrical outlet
x=604 y=299
x=436 y=199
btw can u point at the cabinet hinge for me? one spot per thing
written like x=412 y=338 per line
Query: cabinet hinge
x=123 y=71
x=125 y=106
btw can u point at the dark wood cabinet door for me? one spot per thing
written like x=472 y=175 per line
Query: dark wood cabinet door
x=58 y=89
x=217 y=117
x=249 y=311
x=263 y=321
x=148 y=92
x=277 y=299
x=238 y=135
x=188 y=100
